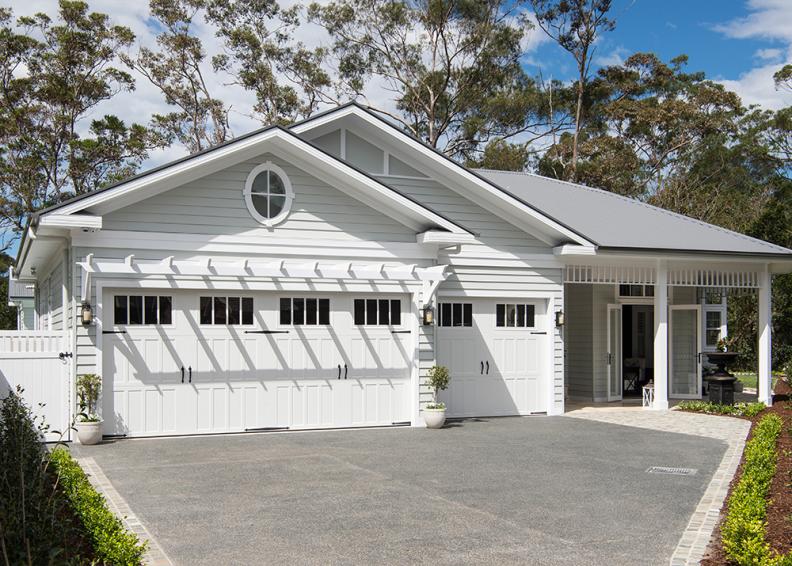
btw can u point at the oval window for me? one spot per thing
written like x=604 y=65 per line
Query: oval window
x=268 y=194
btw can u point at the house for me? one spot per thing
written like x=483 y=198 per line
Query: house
x=22 y=297
x=309 y=277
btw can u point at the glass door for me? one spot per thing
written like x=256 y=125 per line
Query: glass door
x=684 y=355
x=614 y=355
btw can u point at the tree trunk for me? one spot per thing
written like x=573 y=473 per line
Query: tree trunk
x=578 y=111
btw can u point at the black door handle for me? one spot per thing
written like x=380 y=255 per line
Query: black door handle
x=487 y=367
x=346 y=369
x=482 y=369
x=339 y=371
x=182 y=368
x=189 y=369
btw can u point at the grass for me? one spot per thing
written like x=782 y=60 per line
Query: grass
x=750 y=379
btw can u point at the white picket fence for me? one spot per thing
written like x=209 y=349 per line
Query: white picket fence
x=31 y=358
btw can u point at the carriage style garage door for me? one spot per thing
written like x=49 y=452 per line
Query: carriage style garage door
x=496 y=351
x=178 y=362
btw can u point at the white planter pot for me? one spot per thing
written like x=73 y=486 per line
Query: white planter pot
x=434 y=418
x=89 y=432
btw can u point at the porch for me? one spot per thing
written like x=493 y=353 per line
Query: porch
x=635 y=324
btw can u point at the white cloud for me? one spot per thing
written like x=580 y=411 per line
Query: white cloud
x=614 y=57
x=769 y=20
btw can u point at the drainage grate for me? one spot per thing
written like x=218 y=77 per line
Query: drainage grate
x=672 y=471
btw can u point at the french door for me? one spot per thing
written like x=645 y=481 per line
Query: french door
x=684 y=352
x=614 y=355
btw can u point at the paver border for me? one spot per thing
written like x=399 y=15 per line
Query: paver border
x=155 y=555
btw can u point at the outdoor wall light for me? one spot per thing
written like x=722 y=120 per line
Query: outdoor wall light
x=86 y=314
x=428 y=315
x=559 y=318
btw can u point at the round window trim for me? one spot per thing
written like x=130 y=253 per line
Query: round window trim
x=248 y=193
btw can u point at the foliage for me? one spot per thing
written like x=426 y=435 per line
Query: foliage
x=743 y=530
x=32 y=529
x=437 y=379
x=112 y=542
x=89 y=386
x=453 y=67
x=575 y=25
x=725 y=344
x=783 y=77
x=436 y=406
x=53 y=77
x=200 y=119
x=737 y=410
x=8 y=313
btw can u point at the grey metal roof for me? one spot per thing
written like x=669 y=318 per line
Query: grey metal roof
x=615 y=221
x=19 y=290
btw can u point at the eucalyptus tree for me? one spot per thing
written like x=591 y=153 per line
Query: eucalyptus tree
x=450 y=69
x=53 y=76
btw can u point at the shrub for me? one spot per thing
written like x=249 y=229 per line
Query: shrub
x=32 y=526
x=88 y=387
x=111 y=541
x=736 y=410
x=438 y=381
x=743 y=530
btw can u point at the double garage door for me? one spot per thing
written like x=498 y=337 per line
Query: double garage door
x=497 y=351
x=179 y=362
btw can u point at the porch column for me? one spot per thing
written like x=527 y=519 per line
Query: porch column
x=765 y=331
x=661 y=337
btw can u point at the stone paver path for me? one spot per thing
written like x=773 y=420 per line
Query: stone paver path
x=696 y=538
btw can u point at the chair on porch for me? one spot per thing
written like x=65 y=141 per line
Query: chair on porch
x=634 y=370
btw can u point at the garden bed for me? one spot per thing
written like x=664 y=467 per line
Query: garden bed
x=778 y=532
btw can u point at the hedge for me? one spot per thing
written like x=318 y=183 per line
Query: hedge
x=743 y=531
x=111 y=541
x=736 y=410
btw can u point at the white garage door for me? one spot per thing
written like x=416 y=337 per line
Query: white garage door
x=199 y=362
x=496 y=351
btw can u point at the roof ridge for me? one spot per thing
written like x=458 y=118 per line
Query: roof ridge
x=641 y=203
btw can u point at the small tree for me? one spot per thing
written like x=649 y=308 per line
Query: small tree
x=88 y=387
x=438 y=381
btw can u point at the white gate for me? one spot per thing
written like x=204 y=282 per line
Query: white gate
x=32 y=360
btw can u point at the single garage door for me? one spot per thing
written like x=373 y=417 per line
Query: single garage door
x=497 y=353
x=199 y=362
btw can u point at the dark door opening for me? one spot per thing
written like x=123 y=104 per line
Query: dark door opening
x=637 y=348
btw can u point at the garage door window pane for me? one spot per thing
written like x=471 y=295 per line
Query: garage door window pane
x=136 y=310
x=520 y=315
x=311 y=308
x=150 y=313
x=206 y=310
x=360 y=311
x=220 y=310
x=234 y=310
x=247 y=310
x=371 y=311
x=165 y=315
x=324 y=311
x=384 y=312
x=395 y=312
x=500 y=315
x=445 y=314
x=120 y=310
x=530 y=316
x=456 y=313
x=285 y=311
x=298 y=311
x=515 y=316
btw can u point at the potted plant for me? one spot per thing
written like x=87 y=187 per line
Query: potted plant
x=434 y=413
x=89 y=424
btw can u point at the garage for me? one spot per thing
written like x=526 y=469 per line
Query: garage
x=497 y=351
x=195 y=362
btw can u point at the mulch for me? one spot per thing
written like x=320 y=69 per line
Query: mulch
x=779 y=510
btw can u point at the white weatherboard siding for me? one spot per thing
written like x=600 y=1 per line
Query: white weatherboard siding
x=214 y=206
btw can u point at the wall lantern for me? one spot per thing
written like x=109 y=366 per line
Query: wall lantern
x=559 y=315
x=86 y=314
x=428 y=315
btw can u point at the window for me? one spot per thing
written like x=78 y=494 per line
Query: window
x=225 y=310
x=309 y=312
x=636 y=290
x=377 y=312
x=515 y=315
x=713 y=327
x=268 y=194
x=137 y=310
x=455 y=314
